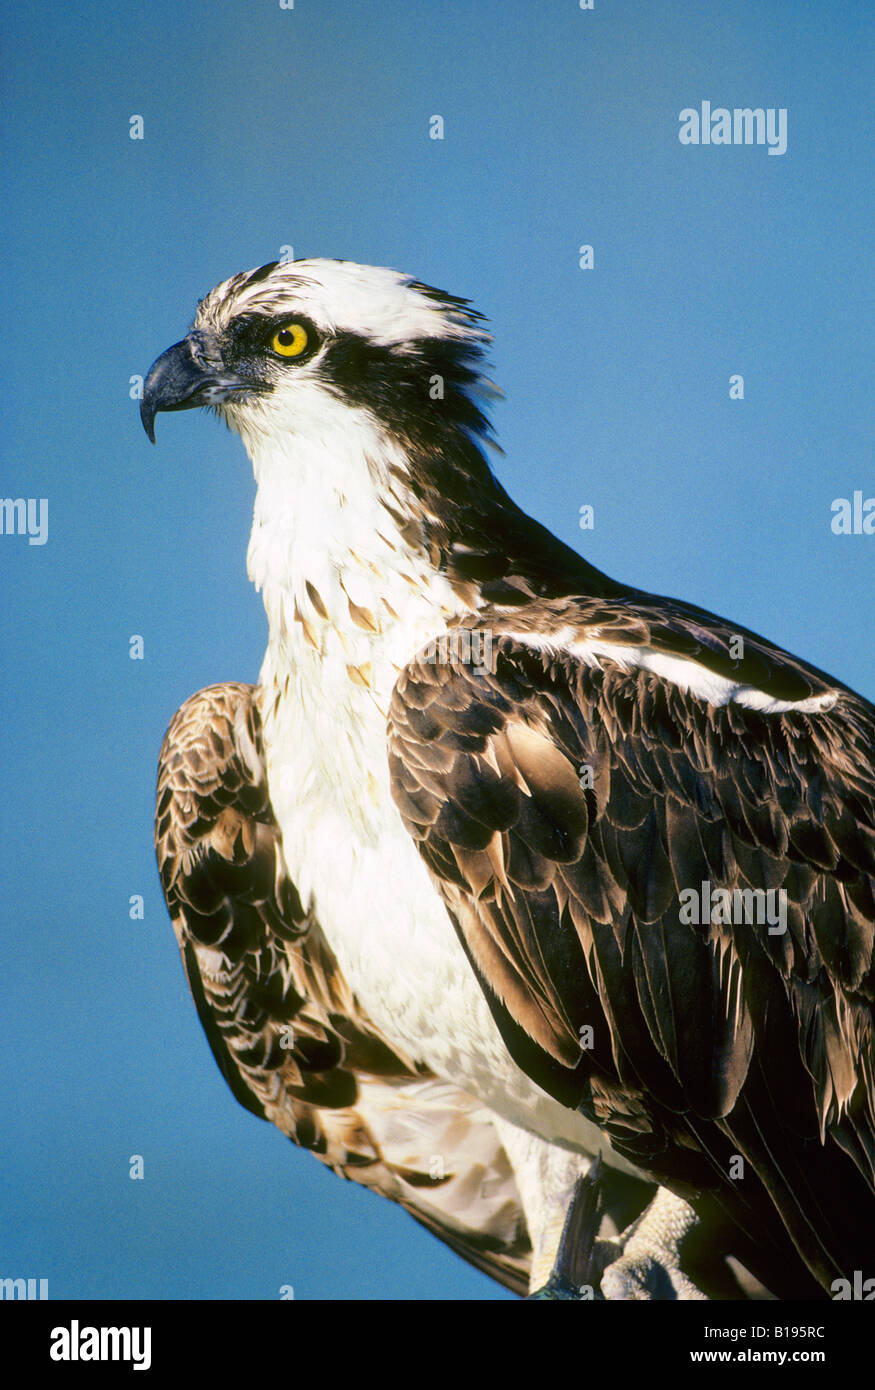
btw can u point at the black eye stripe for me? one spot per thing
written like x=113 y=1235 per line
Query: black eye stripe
x=251 y=335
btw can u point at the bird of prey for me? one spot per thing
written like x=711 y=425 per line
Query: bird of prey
x=560 y=865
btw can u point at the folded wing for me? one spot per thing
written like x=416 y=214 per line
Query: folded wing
x=612 y=760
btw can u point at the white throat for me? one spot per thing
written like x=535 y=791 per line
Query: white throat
x=348 y=600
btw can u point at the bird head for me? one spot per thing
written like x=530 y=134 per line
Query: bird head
x=281 y=348
x=361 y=388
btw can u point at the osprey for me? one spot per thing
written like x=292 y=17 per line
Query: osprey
x=592 y=868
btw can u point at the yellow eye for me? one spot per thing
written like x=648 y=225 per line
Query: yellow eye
x=290 y=340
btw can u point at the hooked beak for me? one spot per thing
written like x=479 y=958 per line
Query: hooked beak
x=188 y=374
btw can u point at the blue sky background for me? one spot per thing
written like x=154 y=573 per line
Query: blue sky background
x=309 y=127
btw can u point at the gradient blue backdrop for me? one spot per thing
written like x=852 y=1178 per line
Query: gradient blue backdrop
x=309 y=127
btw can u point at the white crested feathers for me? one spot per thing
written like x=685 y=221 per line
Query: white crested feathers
x=379 y=304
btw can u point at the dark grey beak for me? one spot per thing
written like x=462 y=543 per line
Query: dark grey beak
x=183 y=377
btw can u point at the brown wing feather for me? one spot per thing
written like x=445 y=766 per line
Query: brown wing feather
x=707 y=1042
x=286 y=1031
